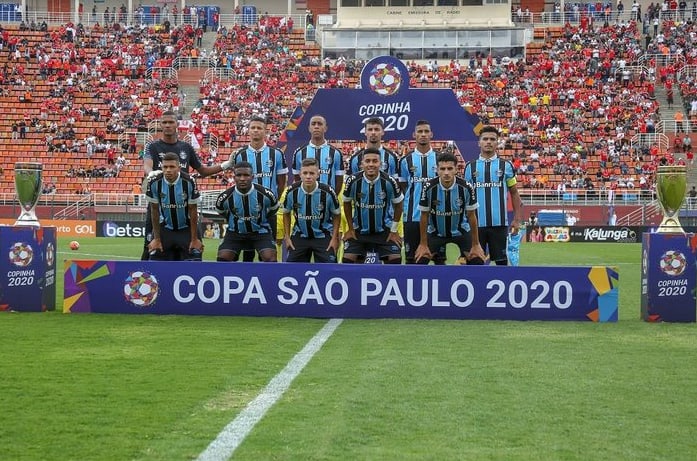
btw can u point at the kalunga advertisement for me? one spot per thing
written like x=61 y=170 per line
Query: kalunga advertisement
x=591 y=234
x=607 y=234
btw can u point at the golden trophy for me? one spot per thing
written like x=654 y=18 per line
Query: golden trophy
x=671 y=186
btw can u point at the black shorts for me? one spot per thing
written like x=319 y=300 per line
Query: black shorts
x=412 y=237
x=306 y=248
x=378 y=243
x=494 y=240
x=175 y=246
x=436 y=244
x=148 y=226
x=240 y=242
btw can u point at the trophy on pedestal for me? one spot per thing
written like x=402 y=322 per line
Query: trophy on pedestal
x=671 y=186
x=28 y=188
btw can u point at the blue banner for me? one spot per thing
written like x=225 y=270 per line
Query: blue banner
x=28 y=268
x=342 y=290
x=385 y=92
x=668 y=277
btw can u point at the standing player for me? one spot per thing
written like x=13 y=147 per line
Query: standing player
x=448 y=215
x=248 y=209
x=374 y=131
x=415 y=170
x=268 y=165
x=173 y=198
x=331 y=161
x=493 y=178
x=152 y=162
x=376 y=198
x=315 y=208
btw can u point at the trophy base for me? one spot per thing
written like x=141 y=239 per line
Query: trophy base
x=670 y=226
x=27 y=220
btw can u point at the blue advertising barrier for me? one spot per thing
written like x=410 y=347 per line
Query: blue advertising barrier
x=342 y=291
x=668 y=277
x=28 y=267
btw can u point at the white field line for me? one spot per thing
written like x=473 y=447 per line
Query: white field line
x=237 y=430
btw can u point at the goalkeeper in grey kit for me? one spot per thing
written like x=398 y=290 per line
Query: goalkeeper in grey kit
x=188 y=158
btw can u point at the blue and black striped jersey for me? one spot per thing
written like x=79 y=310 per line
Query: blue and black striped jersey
x=416 y=169
x=173 y=199
x=491 y=179
x=313 y=211
x=268 y=163
x=331 y=161
x=448 y=207
x=373 y=201
x=248 y=213
x=389 y=162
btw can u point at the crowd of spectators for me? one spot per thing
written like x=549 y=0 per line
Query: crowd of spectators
x=568 y=113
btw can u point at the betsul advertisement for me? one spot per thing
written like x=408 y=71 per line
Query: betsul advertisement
x=120 y=229
x=64 y=227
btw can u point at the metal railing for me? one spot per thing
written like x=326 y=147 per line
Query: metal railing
x=188 y=62
x=686 y=73
x=169 y=73
x=218 y=73
x=649 y=139
x=73 y=210
x=674 y=126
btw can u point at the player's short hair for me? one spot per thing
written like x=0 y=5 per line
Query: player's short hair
x=310 y=161
x=370 y=150
x=168 y=113
x=170 y=156
x=489 y=129
x=374 y=121
x=422 y=122
x=446 y=157
x=240 y=165
x=257 y=118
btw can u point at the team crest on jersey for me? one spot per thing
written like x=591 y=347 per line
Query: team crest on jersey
x=184 y=196
x=258 y=207
x=459 y=202
x=269 y=164
x=499 y=173
x=319 y=207
x=382 y=195
x=412 y=169
x=182 y=155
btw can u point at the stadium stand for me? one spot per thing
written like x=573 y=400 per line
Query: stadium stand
x=76 y=98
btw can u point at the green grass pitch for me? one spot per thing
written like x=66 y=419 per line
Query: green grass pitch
x=119 y=387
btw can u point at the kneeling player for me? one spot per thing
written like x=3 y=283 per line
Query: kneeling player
x=448 y=215
x=173 y=198
x=248 y=209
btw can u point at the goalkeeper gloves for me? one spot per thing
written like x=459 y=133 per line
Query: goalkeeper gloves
x=227 y=164
x=148 y=178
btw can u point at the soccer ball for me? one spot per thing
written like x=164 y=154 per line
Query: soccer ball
x=21 y=254
x=385 y=79
x=74 y=245
x=141 y=288
x=673 y=263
